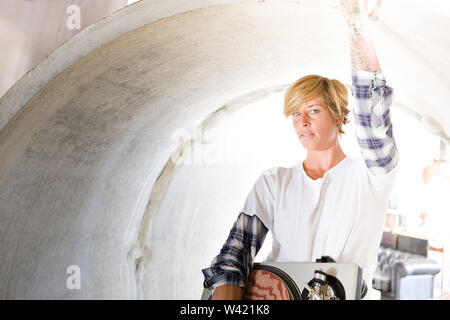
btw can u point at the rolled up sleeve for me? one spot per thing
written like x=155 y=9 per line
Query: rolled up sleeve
x=231 y=266
x=373 y=126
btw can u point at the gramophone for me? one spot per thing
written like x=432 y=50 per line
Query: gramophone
x=324 y=279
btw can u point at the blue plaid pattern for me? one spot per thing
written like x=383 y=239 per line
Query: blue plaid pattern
x=374 y=134
x=232 y=265
x=373 y=99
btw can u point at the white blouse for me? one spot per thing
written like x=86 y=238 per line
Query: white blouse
x=340 y=215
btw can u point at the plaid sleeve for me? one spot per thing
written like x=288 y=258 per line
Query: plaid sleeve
x=373 y=99
x=232 y=265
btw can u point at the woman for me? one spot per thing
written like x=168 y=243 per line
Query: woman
x=330 y=205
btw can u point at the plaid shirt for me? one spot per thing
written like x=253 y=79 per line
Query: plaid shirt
x=373 y=99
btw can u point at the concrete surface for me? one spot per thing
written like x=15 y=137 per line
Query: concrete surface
x=86 y=170
x=31 y=30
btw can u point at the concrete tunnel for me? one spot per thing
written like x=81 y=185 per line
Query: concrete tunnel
x=129 y=150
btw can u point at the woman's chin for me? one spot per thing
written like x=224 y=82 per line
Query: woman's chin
x=312 y=147
x=309 y=147
x=308 y=144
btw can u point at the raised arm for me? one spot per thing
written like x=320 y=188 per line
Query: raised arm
x=362 y=51
x=229 y=270
x=373 y=97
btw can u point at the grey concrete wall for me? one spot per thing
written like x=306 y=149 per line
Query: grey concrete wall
x=87 y=142
x=31 y=30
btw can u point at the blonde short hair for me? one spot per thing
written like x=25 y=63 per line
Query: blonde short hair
x=333 y=92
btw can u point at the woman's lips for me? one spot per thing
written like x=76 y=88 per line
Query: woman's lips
x=307 y=135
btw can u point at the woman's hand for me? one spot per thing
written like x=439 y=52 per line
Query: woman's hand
x=350 y=9
x=227 y=292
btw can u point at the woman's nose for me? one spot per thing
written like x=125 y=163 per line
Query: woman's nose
x=304 y=120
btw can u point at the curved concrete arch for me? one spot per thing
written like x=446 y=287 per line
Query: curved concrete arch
x=80 y=160
x=94 y=36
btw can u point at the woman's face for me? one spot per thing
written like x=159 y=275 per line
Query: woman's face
x=315 y=126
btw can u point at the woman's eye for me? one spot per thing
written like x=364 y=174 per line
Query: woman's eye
x=312 y=111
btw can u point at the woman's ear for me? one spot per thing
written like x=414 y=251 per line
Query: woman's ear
x=340 y=121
